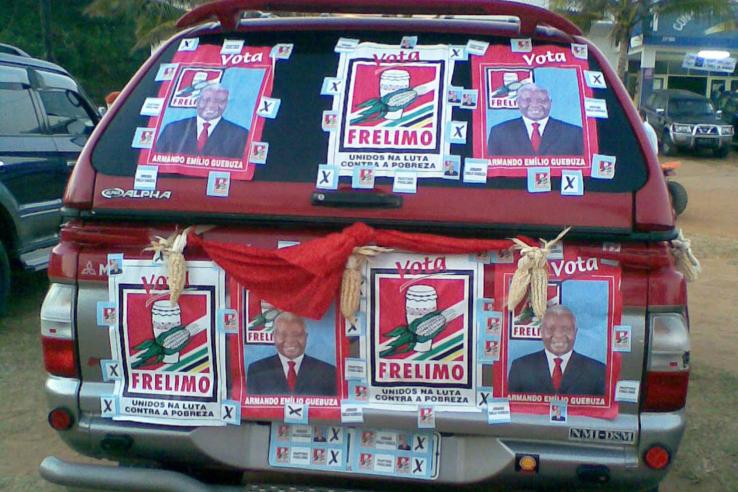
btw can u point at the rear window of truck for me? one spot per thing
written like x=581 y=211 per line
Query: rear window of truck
x=410 y=110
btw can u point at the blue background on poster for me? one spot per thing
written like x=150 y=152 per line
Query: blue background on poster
x=321 y=341
x=563 y=87
x=244 y=85
x=588 y=299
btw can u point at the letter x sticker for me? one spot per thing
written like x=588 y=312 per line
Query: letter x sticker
x=457 y=52
x=334 y=434
x=483 y=398
x=295 y=413
x=419 y=443
x=334 y=457
x=419 y=466
x=325 y=177
x=228 y=412
x=268 y=107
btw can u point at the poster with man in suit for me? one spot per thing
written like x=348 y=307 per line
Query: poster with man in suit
x=206 y=116
x=290 y=370
x=565 y=354
x=531 y=112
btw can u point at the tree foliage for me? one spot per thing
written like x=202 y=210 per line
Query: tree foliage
x=97 y=51
x=625 y=15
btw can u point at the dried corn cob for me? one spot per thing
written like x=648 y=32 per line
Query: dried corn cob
x=428 y=326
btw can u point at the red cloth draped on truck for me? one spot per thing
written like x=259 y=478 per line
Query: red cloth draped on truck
x=305 y=279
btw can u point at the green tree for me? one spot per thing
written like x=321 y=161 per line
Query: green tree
x=154 y=19
x=99 y=52
x=627 y=14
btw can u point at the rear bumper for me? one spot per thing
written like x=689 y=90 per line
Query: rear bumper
x=465 y=459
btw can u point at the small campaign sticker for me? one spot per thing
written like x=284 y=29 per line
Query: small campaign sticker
x=558 y=411
x=572 y=183
x=330 y=121
x=456 y=132
x=227 y=320
x=231 y=47
x=355 y=369
x=219 y=183
x=453 y=95
x=351 y=413
x=188 y=44
x=259 y=152
x=327 y=177
x=363 y=178
x=498 y=411
x=405 y=182
x=521 y=45
x=621 y=338
x=331 y=86
x=489 y=349
x=358 y=391
x=603 y=166
x=579 y=51
x=145 y=178
x=556 y=252
x=484 y=396
x=143 y=138
x=595 y=108
x=296 y=413
x=594 y=79
x=476 y=47
x=268 y=107
x=451 y=166
x=408 y=42
x=627 y=391
x=107 y=313
x=111 y=370
x=282 y=51
x=539 y=179
x=458 y=52
x=152 y=106
x=345 y=45
x=475 y=170
x=108 y=406
x=426 y=417
x=231 y=412
x=115 y=263
x=469 y=99
x=166 y=72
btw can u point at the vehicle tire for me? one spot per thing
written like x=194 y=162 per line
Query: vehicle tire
x=721 y=152
x=4 y=278
x=667 y=145
x=678 y=194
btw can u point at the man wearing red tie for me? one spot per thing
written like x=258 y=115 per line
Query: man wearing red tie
x=557 y=369
x=290 y=371
x=535 y=132
x=208 y=133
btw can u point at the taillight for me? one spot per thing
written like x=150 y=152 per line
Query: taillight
x=667 y=373
x=56 y=331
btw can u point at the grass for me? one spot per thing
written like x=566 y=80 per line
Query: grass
x=708 y=455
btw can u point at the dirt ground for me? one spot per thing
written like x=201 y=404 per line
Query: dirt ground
x=707 y=460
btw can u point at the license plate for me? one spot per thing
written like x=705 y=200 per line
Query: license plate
x=706 y=142
x=406 y=454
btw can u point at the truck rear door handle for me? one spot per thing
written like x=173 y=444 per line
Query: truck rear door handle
x=356 y=199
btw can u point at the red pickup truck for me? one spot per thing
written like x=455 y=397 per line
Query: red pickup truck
x=306 y=248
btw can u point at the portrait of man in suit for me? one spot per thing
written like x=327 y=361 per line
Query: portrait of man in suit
x=535 y=132
x=557 y=369
x=291 y=371
x=207 y=133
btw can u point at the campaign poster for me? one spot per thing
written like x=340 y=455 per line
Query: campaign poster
x=171 y=354
x=289 y=360
x=421 y=330
x=567 y=355
x=391 y=110
x=532 y=111
x=207 y=111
